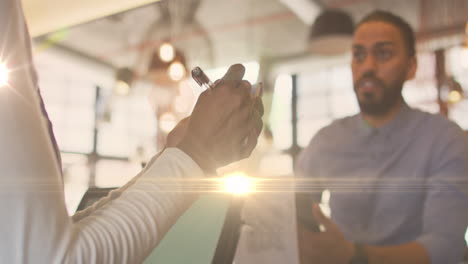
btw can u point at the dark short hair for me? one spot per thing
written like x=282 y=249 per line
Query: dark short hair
x=405 y=29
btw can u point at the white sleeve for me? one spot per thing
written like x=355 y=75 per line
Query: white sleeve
x=114 y=193
x=132 y=222
x=35 y=226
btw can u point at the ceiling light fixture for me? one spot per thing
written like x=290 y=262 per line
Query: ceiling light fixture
x=167 y=73
x=121 y=88
x=176 y=71
x=452 y=92
x=166 y=52
x=454 y=97
x=331 y=33
x=123 y=81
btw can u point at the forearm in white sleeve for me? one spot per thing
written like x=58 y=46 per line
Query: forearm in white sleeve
x=137 y=218
x=35 y=226
x=112 y=194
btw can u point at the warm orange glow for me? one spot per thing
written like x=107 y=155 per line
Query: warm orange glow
x=166 y=52
x=238 y=183
x=454 y=97
x=176 y=71
x=122 y=88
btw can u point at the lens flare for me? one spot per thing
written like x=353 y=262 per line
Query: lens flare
x=238 y=184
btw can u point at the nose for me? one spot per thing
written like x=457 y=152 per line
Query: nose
x=369 y=64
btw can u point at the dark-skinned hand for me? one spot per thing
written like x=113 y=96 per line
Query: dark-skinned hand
x=329 y=246
x=225 y=123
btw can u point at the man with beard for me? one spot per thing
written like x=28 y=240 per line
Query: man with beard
x=394 y=173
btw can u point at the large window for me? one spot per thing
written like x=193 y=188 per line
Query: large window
x=126 y=127
x=69 y=96
x=131 y=126
x=322 y=97
x=69 y=86
x=421 y=92
x=280 y=117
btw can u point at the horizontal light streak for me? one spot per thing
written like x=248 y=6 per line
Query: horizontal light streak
x=271 y=185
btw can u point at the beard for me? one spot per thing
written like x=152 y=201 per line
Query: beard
x=371 y=104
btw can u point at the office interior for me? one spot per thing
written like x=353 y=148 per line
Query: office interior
x=115 y=75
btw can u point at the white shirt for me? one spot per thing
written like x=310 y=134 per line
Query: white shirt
x=34 y=225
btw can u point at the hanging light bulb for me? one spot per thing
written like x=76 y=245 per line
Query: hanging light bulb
x=166 y=52
x=454 y=97
x=176 y=71
x=3 y=75
x=452 y=92
x=331 y=33
x=121 y=88
x=123 y=81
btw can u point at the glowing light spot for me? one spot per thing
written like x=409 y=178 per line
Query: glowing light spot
x=166 y=52
x=121 y=88
x=454 y=97
x=176 y=71
x=238 y=184
x=3 y=75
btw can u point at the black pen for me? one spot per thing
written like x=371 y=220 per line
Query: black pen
x=200 y=77
x=203 y=81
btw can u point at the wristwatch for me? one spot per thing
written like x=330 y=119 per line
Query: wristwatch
x=360 y=256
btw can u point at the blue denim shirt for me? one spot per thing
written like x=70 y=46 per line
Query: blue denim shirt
x=400 y=183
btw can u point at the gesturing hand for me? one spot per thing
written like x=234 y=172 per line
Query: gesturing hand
x=225 y=123
x=329 y=246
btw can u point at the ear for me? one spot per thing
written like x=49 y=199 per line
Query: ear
x=413 y=66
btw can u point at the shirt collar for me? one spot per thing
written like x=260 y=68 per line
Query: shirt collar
x=390 y=127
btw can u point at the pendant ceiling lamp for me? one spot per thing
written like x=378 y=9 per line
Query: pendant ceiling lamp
x=331 y=33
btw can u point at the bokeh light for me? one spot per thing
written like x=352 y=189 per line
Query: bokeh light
x=166 y=52
x=238 y=183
